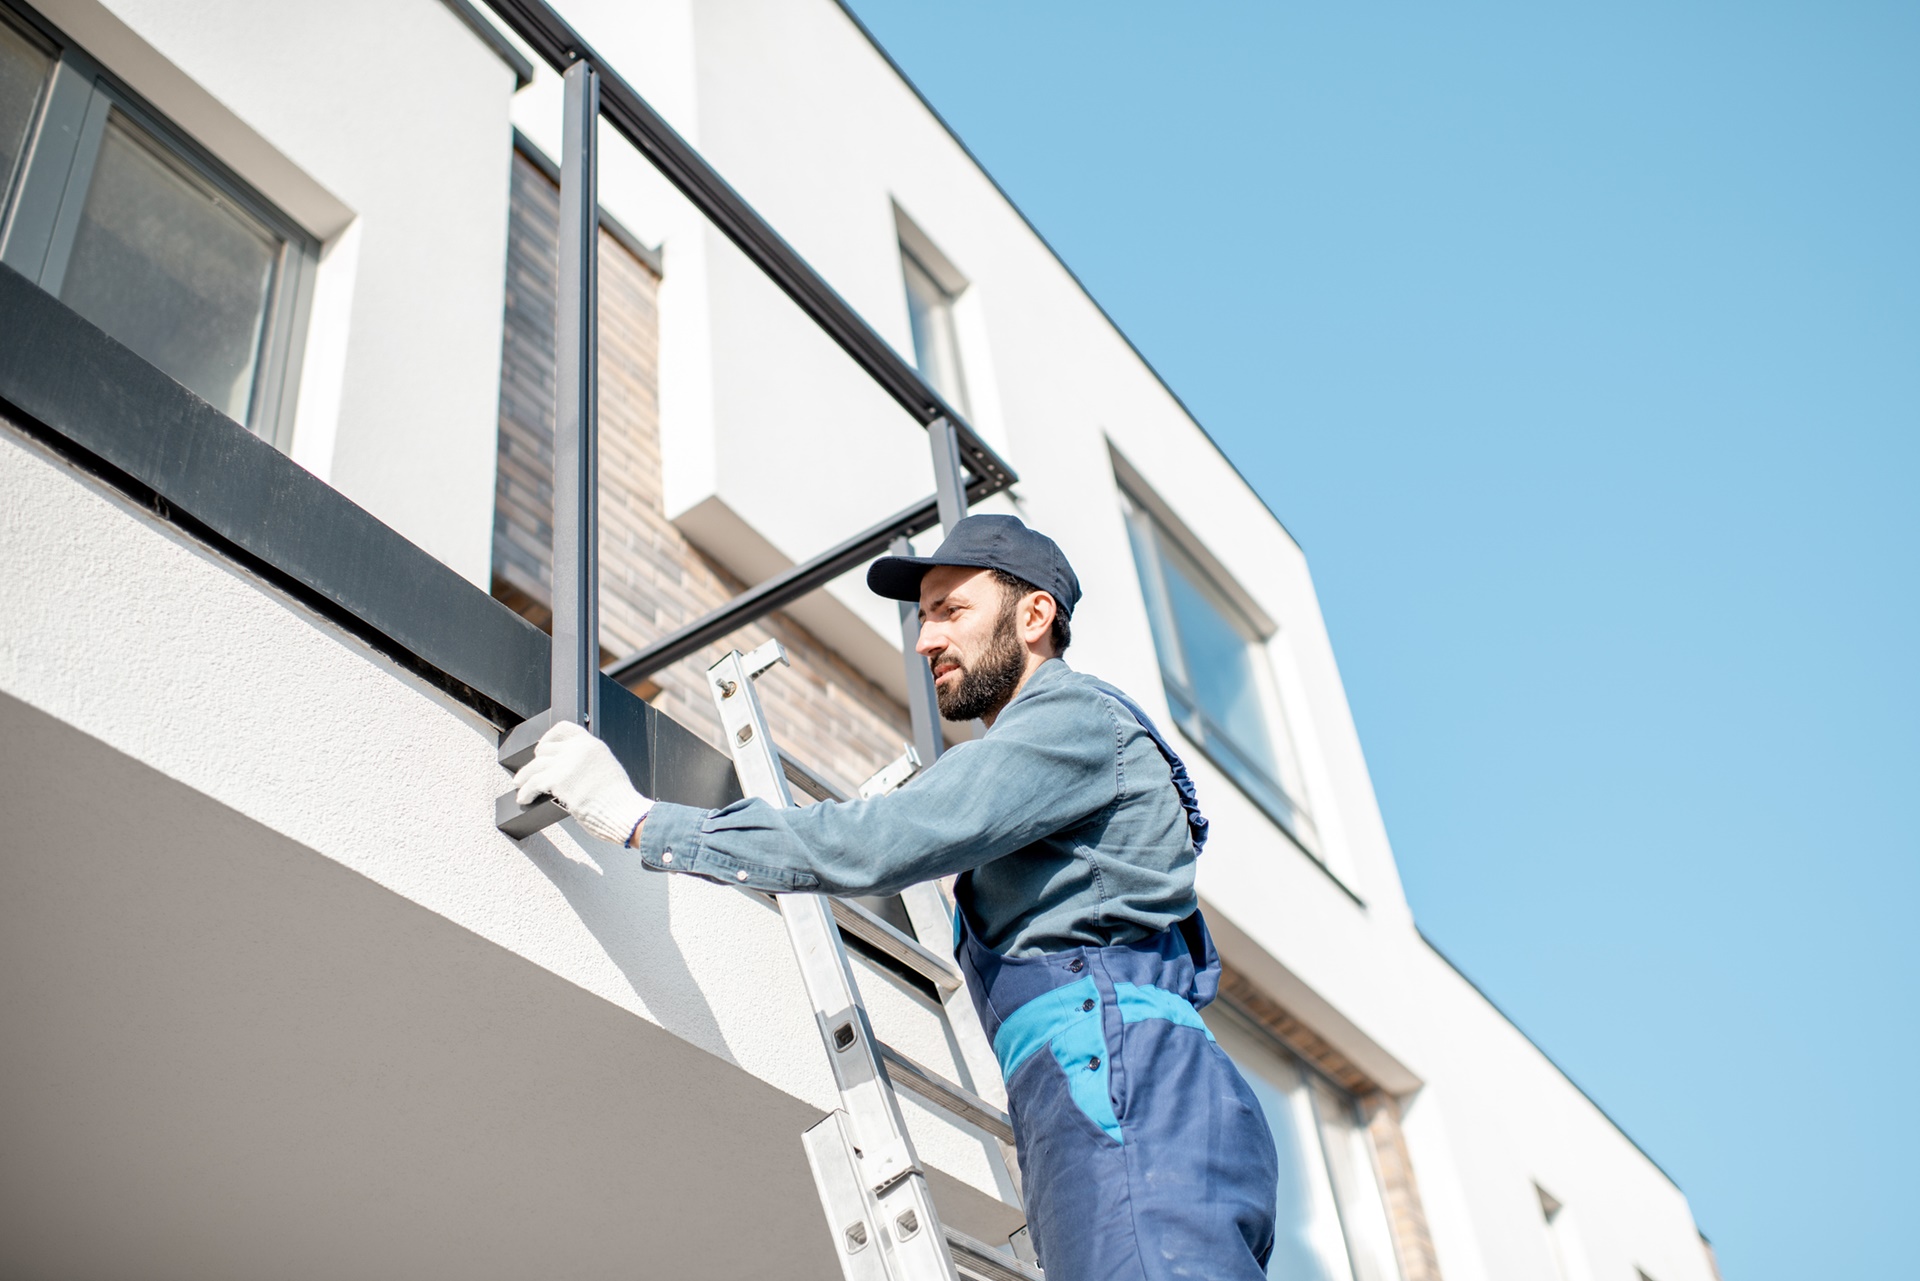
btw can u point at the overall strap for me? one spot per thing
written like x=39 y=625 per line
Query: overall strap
x=1182 y=781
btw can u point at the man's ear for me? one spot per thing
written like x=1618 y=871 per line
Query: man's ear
x=1036 y=619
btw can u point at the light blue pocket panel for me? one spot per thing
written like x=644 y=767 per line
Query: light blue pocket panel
x=1139 y=1002
x=1067 y=1021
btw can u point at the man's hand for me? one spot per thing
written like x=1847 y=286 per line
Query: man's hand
x=579 y=772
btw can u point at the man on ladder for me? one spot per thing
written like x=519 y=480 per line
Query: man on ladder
x=1073 y=828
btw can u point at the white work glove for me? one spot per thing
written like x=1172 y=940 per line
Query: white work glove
x=578 y=771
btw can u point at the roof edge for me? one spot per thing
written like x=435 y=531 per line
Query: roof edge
x=1621 y=1130
x=1072 y=275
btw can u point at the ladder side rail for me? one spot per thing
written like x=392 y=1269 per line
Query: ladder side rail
x=894 y=1185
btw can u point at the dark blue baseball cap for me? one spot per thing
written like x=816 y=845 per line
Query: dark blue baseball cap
x=984 y=542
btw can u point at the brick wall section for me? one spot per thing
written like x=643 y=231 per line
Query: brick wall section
x=652 y=580
x=1240 y=992
x=1406 y=1216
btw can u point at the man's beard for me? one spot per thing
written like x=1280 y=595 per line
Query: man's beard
x=986 y=684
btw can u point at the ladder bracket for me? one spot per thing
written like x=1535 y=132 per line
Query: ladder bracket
x=893 y=774
x=887 y=1164
x=765 y=657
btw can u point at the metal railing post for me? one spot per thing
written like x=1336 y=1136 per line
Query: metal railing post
x=576 y=490
x=949 y=478
x=922 y=706
x=929 y=906
x=950 y=492
x=575 y=684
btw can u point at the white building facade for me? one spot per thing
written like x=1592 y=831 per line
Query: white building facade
x=278 y=997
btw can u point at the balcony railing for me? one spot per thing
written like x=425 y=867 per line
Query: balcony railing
x=112 y=413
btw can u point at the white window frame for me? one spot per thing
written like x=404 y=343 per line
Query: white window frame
x=919 y=254
x=1154 y=524
x=1563 y=1239
x=1362 y=1260
x=40 y=212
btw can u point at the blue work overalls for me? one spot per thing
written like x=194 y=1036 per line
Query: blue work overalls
x=1143 y=1155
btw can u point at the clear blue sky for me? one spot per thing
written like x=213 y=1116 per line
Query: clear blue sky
x=1580 y=347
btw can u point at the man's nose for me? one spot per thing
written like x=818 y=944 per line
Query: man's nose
x=933 y=639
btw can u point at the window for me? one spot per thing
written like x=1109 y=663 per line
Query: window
x=1571 y=1264
x=107 y=208
x=1213 y=662
x=1330 y=1221
x=936 y=345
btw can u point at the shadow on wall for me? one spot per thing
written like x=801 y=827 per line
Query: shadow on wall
x=625 y=907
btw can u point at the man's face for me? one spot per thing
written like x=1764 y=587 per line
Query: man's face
x=968 y=634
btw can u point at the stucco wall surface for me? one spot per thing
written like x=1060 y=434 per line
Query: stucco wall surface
x=121 y=628
x=1512 y=1123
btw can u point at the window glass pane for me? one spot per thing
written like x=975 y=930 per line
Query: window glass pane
x=1219 y=661
x=167 y=265
x=1355 y=1186
x=1159 y=612
x=1307 y=1244
x=936 y=348
x=1218 y=684
x=23 y=71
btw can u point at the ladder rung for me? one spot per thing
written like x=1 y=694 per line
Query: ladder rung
x=884 y=938
x=877 y=934
x=978 y=1259
x=808 y=781
x=942 y=1093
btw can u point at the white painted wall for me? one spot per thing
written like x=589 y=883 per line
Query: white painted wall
x=381 y=126
x=120 y=628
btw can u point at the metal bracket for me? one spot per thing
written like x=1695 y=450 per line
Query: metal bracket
x=893 y=774
x=517 y=744
x=763 y=658
x=516 y=749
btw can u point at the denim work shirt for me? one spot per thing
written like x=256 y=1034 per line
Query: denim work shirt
x=1065 y=812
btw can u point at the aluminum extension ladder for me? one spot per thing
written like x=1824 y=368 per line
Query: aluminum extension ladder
x=872 y=1189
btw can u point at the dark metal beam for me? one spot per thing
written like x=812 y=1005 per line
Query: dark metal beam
x=121 y=423
x=559 y=45
x=780 y=590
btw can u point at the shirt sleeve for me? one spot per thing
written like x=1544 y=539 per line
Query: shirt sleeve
x=1050 y=761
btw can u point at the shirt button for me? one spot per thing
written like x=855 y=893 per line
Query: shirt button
x=1093 y=1064
x=1076 y=965
x=667 y=857
x=740 y=875
x=1086 y=1005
